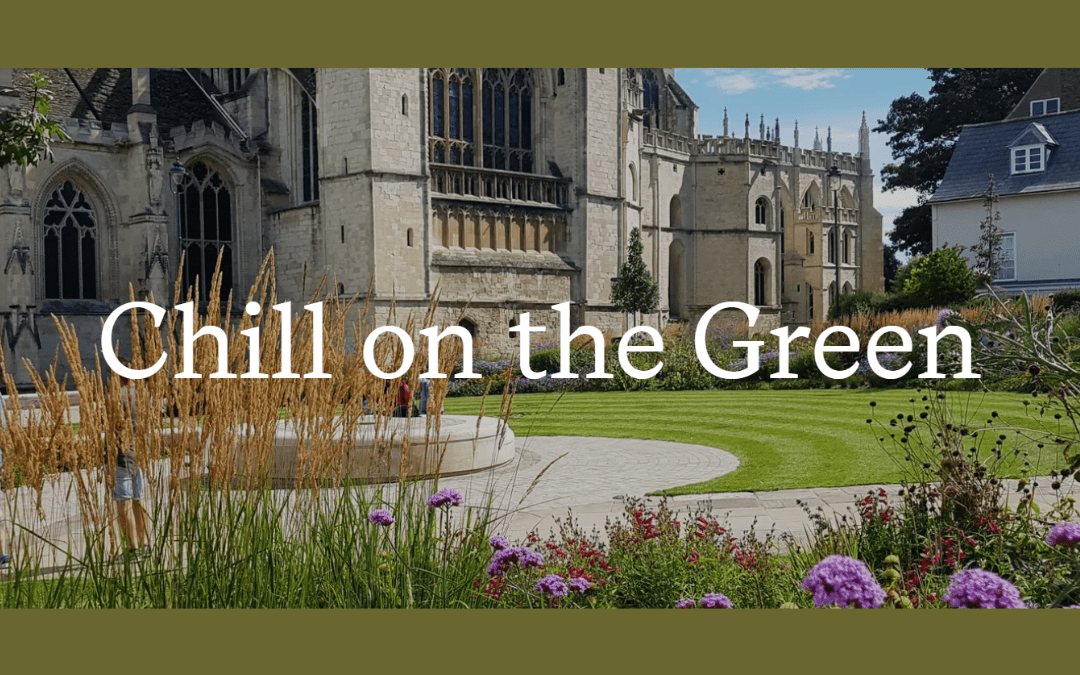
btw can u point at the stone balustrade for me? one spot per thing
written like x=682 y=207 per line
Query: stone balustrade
x=506 y=187
x=824 y=214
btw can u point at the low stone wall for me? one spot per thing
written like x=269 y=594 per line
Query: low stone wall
x=461 y=446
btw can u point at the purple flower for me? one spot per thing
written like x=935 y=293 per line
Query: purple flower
x=578 y=585
x=1064 y=534
x=499 y=543
x=381 y=517
x=445 y=497
x=685 y=603
x=844 y=582
x=715 y=601
x=979 y=589
x=943 y=318
x=553 y=585
x=507 y=557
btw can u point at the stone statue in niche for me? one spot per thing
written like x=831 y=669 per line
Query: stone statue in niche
x=16 y=181
x=154 y=176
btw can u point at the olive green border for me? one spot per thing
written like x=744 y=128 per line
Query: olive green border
x=555 y=32
x=438 y=641
x=836 y=33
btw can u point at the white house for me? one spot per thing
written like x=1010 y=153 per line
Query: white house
x=1034 y=157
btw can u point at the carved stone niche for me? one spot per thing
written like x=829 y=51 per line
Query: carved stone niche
x=154 y=176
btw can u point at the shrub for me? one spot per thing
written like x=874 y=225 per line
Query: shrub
x=941 y=278
x=868 y=302
x=1065 y=301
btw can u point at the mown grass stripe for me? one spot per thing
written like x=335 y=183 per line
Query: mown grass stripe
x=784 y=439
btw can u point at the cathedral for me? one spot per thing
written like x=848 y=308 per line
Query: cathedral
x=500 y=190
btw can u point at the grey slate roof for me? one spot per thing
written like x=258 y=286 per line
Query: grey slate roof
x=983 y=149
x=105 y=94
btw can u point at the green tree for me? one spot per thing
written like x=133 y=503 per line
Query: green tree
x=941 y=278
x=634 y=290
x=989 y=258
x=892 y=266
x=923 y=131
x=26 y=136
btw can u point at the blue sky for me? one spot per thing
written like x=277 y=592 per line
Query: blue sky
x=816 y=97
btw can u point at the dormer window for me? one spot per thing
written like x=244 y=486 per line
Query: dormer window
x=1046 y=106
x=1030 y=152
x=1028 y=159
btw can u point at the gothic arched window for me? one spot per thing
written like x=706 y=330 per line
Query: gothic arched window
x=452 y=128
x=206 y=229
x=507 y=114
x=761 y=211
x=70 y=245
x=651 y=98
x=759 y=283
x=309 y=148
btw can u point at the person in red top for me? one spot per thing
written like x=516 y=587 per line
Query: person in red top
x=404 y=401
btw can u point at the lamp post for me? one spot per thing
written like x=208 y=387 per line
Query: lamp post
x=176 y=175
x=834 y=183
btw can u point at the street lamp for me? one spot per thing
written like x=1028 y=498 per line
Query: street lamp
x=834 y=182
x=176 y=175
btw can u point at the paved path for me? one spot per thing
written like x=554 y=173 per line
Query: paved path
x=553 y=477
x=595 y=476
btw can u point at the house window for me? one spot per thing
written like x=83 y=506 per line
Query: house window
x=309 y=148
x=1008 y=257
x=1046 y=106
x=761 y=211
x=562 y=77
x=70 y=246
x=832 y=246
x=847 y=248
x=1028 y=159
x=206 y=230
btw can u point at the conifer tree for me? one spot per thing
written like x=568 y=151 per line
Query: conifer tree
x=634 y=290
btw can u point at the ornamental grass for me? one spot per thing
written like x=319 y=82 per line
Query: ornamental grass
x=229 y=528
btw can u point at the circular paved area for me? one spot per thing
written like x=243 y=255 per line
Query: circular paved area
x=588 y=476
x=580 y=470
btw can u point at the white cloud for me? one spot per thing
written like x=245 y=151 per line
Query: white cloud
x=808 y=78
x=734 y=84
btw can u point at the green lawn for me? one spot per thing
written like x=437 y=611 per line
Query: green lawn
x=784 y=439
